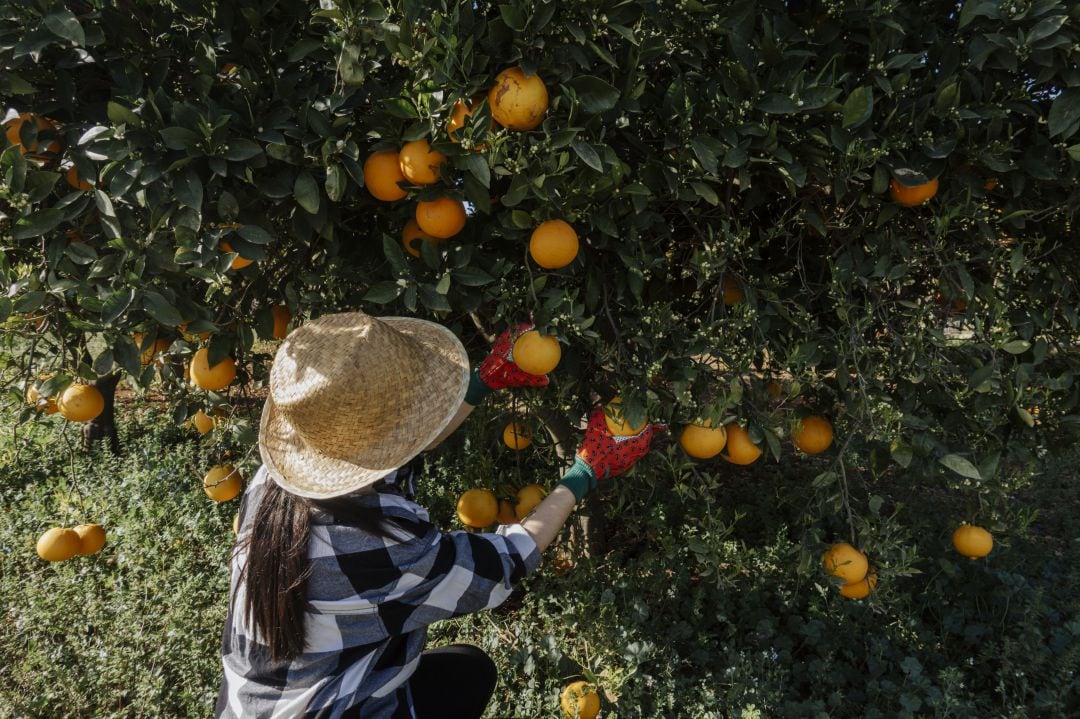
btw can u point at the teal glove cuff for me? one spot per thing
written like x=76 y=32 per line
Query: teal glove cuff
x=579 y=479
x=477 y=390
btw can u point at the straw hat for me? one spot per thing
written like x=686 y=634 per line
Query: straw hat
x=354 y=397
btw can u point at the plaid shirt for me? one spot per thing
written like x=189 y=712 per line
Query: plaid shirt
x=371 y=600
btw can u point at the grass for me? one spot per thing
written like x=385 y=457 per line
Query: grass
x=708 y=602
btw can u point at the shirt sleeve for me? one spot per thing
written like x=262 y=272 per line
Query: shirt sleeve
x=461 y=573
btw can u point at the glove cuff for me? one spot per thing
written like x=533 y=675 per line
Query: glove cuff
x=579 y=479
x=477 y=390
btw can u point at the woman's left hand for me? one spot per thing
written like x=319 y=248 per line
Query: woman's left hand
x=498 y=370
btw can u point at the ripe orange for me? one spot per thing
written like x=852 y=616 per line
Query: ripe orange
x=412 y=236
x=91 y=539
x=419 y=163
x=733 y=294
x=80 y=403
x=506 y=514
x=518 y=102
x=536 y=353
x=972 y=541
x=914 y=195
x=202 y=422
x=46 y=404
x=458 y=113
x=382 y=173
x=58 y=544
x=991 y=184
x=238 y=262
x=579 y=700
x=860 y=589
x=844 y=561
x=222 y=483
x=13 y=128
x=73 y=179
x=702 y=440
x=813 y=435
x=740 y=448
x=517 y=435
x=527 y=498
x=147 y=355
x=441 y=218
x=214 y=378
x=553 y=244
x=282 y=318
x=477 y=508
x=616 y=423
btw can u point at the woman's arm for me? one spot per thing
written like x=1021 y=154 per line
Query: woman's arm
x=544 y=523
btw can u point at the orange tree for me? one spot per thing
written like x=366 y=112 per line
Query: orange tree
x=864 y=211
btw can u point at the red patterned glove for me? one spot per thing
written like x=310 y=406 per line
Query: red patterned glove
x=498 y=370
x=610 y=456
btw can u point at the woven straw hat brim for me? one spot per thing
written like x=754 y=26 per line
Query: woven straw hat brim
x=421 y=407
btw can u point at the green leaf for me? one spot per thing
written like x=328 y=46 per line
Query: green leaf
x=477 y=166
x=255 y=234
x=1045 y=28
x=960 y=465
x=37 y=223
x=189 y=189
x=776 y=103
x=240 y=149
x=179 y=138
x=858 y=107
x=706 y=150
x=120 y=115
x=594 y=94
x=161 y=309
x=513 y=17
x=63 y=23
x=1064 y=117
x=587 y=154
x=382 y=293
x=108 y=215
x=116 y=304
x=336 y=182
x=901 y=453
x=1016 y=347
x=433 y=300
x=13 y=167
x=472 y=277
x=306 y=192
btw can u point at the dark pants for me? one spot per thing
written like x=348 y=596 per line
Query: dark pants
x=453 y=682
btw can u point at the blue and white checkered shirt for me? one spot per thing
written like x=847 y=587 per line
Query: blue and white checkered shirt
x=371 y=600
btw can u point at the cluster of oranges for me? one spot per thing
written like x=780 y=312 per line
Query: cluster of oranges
x=42 y=156
x=700 y=440
x=847 y=563
x=479 y=508
x=77 y=403
x=62 y=543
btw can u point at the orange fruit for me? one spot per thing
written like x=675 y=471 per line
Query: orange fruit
x=813 y=435
x=73 y=179
x=202 y=422
x=527 y=498
x=214 y=378
x=844 y=561
x=441 y=218
x=518 y=102
x=458 y=113
x=222 y=483
x=517 y=436
x=238 y=262
x=991 y=184
x=58 y=544
x=419 y=163
x=282 y=318
x=972 y=541
x=733 y=294
x=147 y=355
x=579 y=700
x=382 y=173
x=616 y=423
x=80 y=403
x=860 y=589
x=13 y=128
x=913 y=195
x=536 y=353
x=91 y=539
x=506 y=514
x=41 y=404
x=740 y=448
x=553 y=244
x=477 y=508
x=701 y=440
x=412 y=236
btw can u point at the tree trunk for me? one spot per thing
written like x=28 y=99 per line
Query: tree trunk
x=104 y=425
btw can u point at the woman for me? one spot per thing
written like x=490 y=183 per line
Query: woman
x=337 y=573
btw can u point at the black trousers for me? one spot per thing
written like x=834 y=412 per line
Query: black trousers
x=453 y=682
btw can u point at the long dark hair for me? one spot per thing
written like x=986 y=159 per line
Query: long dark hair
x=277 y=569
